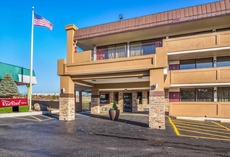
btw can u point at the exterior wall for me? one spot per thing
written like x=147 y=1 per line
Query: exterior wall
x=144 y=106
x=82 y=57
x=201 y=109
x=135 y=106
x=166 y=100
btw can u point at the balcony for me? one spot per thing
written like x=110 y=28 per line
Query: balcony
x=199 y=76
x=199 y=43
x=83 y=64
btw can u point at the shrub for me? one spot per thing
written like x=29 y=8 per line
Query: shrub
x=8 y=87
x=114 y=107
x=23 y=108
x=6 y=109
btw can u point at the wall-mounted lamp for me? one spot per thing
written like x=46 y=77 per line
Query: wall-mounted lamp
x=62 y=90
x=153 y=87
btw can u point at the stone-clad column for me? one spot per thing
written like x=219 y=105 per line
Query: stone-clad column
x=66 y=100
x=157 y=99
x=95 y=101
x=120 y=103
x=134 y=101
x=157 y=110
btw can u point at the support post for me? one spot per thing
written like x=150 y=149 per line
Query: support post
x=95 y=101
x=157 y=99
x=66 y=100
x=128 y=49
x=95 y=53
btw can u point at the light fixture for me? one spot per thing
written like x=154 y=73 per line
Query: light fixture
x=120 y=16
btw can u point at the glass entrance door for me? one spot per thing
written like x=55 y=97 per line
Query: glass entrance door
x=127 y=100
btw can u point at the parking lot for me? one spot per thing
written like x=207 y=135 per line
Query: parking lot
x=210 y=130
x=96 y=135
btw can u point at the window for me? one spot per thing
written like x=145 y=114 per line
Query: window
x=196 y=94
x=116 y=97
x=204 y=94
x=188 y=64
x=139 y=97
x=174 y=67
x=104 y=98
x=174 y=96
x=204 y=63
x=223 y=61
x=187 y=94
x=149 y=48
x=144 y=47
x=223 y=94
x=111 y=52
x=196 y=63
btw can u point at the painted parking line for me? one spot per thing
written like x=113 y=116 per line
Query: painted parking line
x=46 y=117
x=221 y=125
x=174 y=127
x=203 y=130
x=23 y=118
x=37 y=118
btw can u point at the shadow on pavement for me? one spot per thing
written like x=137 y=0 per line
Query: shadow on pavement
x=119 y=120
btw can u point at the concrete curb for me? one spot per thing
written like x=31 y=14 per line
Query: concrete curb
x=32 y=113
x=222 y=120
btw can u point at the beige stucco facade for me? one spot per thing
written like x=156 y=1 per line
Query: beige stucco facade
x=150 y=74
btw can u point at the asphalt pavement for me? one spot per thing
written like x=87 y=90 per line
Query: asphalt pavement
x=96 y=135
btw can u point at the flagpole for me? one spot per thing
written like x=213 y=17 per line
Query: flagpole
x=31 y=60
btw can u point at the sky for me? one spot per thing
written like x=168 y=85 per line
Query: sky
x=49 y=46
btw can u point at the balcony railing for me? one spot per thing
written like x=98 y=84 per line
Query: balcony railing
x=127 y=50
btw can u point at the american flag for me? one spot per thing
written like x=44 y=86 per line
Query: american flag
x=41 y=21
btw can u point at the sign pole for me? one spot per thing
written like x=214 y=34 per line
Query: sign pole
x=31 y=60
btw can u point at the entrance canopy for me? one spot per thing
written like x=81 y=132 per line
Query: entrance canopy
x=19 y=74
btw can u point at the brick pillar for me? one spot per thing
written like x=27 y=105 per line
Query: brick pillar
x=95 y=101
x=67 y=99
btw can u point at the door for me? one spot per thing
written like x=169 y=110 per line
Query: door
x=127 y=100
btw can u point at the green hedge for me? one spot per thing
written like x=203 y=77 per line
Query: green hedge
x=6 y=109
x=23 y=108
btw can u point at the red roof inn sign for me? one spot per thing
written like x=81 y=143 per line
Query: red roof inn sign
x=13 y=102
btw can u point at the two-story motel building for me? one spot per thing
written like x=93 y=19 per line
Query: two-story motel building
x=175 y=61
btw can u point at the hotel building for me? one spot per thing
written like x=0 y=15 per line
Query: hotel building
x=176 y=61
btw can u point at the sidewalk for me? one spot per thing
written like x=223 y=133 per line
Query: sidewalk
x=30 y=113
